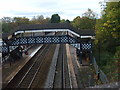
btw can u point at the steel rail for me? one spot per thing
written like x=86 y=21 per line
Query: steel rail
x=29 y=71
x=42 y=62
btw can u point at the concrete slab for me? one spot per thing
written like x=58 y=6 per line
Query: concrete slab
x=51 y=74
x=70 y=66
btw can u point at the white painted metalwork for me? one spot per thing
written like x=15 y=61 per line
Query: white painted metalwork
x=47 y=30
x=53 y=30
x=87 y=37
x=74 y=33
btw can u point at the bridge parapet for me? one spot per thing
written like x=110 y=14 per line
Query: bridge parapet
x=57 y=39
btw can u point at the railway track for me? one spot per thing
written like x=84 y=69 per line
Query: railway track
x=40 y=78
x=34 y=74
x=26 y=75
x=62 y=74
x=29 y=77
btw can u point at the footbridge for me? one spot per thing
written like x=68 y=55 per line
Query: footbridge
x=32 y=34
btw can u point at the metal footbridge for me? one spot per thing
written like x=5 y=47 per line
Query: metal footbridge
x=80 y=39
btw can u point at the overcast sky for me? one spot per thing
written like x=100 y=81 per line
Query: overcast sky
x=67 y=9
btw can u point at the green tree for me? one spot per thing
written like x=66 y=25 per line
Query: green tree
x=89 y=14
x=62 y=21
x=76 y=22
x=47 y=20
x=87 y=21
x=108 y=32
x=6 y=27
x=21 y=20
x=7 y=24
x=7 y=20
x=39 y=20
x=55 y=18
x=108 y=26
x=65 y=21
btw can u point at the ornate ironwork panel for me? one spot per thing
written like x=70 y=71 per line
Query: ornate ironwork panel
x=72 y=40
x=47 y=39
x=86 y=46
x=64 y=39
x=23 y=40
x=43 y=39
x=15 y=42
x=56 y=39
x=82 y=46
x=11 y=48
x=31 y=40
x=39 y=40
x=3 y=49
x=61 y=39
x=77 y=45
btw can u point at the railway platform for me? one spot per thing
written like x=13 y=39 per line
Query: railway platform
x=8 y=72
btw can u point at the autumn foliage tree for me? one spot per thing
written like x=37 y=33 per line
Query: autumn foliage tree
x=108 y=33
x=9 y=24
x=108 y=26
x=87 y=21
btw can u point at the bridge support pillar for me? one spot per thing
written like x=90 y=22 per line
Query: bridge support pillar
x=91 y=58
x=80 y=57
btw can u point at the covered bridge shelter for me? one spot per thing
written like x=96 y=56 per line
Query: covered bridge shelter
x=80 y=39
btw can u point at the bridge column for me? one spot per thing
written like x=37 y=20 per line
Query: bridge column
x=8 y=49
x=91 y=58
x=80 y=57
x=80 y=54
x=91 y=55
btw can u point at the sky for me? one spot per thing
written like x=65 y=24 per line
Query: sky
x=67 y=9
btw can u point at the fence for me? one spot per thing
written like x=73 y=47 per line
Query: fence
x=102 y=75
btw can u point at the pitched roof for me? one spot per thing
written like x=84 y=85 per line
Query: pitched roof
x=45 y=26
x=55 y=26
x=50 y=26
x=86 y=32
